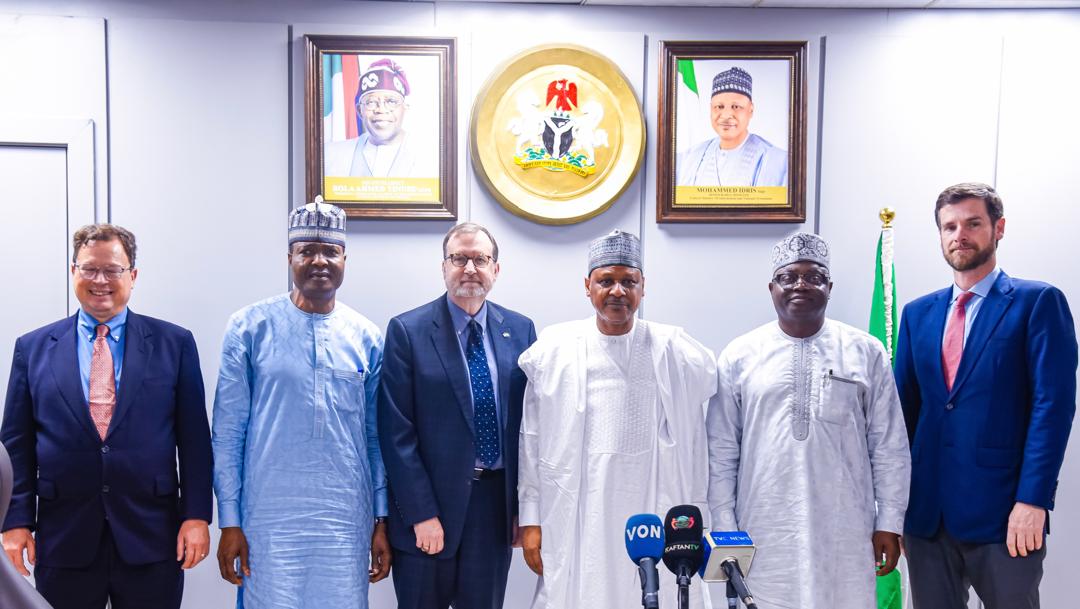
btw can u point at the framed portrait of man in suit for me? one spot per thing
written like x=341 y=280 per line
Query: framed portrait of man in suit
x=731 y=132
x=380 y=118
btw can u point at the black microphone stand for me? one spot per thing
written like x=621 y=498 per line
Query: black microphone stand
x=683 y=579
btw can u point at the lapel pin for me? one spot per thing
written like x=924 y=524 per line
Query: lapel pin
x=506 y=335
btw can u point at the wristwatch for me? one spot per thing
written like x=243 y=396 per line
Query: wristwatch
x=379 y=520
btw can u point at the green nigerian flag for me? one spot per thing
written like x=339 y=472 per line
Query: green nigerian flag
x=686 y=68
x=883 y=327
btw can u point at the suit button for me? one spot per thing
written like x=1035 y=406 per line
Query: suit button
x=104 y=450
x=105 y=488
x=949 y=406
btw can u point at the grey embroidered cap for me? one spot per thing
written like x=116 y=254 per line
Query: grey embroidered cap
x=735 y=80
x=798 y=247
x=319 y=222
x=615 y=248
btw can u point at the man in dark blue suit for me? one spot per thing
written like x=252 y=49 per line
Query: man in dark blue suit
x=986 y=371
x=99 y=407
x=449 y=415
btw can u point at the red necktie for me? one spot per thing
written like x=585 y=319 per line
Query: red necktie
x=102 y=382
x=953 y=347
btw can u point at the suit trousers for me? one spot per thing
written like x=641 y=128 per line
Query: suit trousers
x=473 y=578
x=158 y=585
x=941 y=569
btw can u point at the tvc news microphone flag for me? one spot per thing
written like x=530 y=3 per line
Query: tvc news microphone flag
x=883 y=326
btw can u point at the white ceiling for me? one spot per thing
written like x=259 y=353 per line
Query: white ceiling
x=805 y=3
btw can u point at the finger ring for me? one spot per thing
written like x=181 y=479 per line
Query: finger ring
x=203 y=555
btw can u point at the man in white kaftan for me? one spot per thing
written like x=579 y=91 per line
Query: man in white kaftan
x=612 y=426
x=808 y=450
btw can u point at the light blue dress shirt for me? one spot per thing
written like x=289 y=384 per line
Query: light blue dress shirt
x=980 y=290
x=86 y=333
x=461 y=321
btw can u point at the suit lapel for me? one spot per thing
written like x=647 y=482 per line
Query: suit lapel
x=501 y=338
x=990 y=313
x=933 y=333
x=447 y=347
x=138 y=349
x=64 y=362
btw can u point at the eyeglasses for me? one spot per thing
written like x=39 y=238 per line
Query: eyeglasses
x=460 y=260
x=390 y=103
x=789 y=280
x=112 y=273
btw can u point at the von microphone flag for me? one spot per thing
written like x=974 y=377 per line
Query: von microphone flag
x=883 y=326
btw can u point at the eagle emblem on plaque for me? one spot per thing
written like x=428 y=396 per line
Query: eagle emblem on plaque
x=558 y=134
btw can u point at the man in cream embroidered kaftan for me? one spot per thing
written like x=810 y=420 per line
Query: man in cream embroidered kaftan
x=808 y=452
x=612 y=426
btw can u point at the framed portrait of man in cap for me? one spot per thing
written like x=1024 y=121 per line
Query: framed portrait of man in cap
x=731 y=132
x=381 y=125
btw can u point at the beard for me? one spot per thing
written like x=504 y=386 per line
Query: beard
x=470 y=290
x=977 y=259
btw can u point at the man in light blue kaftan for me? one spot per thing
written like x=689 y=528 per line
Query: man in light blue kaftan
x=299 y=477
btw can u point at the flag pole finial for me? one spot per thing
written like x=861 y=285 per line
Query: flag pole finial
x=887 y=215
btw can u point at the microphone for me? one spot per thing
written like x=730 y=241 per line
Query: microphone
x=645 y=545
x=683 y=553
x=728 y=555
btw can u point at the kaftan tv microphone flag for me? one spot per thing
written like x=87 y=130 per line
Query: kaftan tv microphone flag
x=682 y=547
x=645 y=545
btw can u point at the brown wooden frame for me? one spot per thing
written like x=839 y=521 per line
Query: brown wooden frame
x=670 y=53
x=445 y=48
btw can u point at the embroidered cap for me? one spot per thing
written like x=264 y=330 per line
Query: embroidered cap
x=735 y=80
x=319 y=222
x=383 y=75
x=616 y=248
x=799 y=247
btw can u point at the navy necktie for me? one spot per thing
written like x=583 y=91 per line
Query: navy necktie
x=484 y=418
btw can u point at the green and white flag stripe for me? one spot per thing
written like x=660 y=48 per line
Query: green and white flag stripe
x=890 y=592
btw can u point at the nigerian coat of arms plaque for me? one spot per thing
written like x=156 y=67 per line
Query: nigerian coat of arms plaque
x=557 y=134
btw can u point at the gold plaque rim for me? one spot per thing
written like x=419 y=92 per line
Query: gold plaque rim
x=628 y=157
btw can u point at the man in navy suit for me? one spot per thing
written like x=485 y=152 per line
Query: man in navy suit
x=449 y=415
x=99 y=408
x=986 y=371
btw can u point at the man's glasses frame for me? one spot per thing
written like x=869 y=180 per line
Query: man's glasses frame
x=111 y=273
x=461 y=260
x=789 y=280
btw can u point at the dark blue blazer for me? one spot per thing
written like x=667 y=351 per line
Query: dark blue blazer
x=68 y=481
x=999 y=436
x=426 y=418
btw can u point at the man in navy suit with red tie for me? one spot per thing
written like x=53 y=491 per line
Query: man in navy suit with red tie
x=986 y=371
x=99 y=409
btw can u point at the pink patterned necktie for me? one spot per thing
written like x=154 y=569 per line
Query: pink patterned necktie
x=102 y=382
x=953 y=347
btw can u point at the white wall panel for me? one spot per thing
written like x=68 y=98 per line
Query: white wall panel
x=53 y=67
x=200 y=168
x=1039 y=184
x=904 y=118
